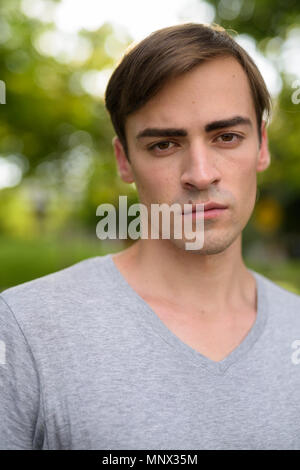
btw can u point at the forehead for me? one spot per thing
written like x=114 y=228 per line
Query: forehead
x=214 y=90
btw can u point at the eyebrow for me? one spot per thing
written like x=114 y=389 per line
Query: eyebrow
x=161 y=132
x=234 y=121
x=211 y=126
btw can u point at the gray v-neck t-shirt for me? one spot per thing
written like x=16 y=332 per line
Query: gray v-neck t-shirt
x=85 y=363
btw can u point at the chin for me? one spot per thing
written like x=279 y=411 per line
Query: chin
x=210 y=247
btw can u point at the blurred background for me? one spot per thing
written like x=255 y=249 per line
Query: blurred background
x=56 y=158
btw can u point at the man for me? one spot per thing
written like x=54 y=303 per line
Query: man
x=159 y=347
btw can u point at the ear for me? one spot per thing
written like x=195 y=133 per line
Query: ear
x=123 y=164
x=264 y=158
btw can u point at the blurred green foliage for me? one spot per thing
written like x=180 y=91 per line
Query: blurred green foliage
x=54 y=130
x=260 y=19
x=24 y=260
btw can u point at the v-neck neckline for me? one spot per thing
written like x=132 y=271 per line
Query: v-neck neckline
x=200 y=360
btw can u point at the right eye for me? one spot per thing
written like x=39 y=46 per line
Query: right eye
x=162 y=145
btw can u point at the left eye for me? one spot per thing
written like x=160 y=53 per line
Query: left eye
x=229 y=137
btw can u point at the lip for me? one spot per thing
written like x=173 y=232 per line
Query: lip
x=209 y=206
x=210 y=213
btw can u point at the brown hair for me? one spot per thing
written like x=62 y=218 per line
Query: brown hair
x=168 y=53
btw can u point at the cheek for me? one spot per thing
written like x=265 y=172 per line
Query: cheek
x=240 y=177
x=242 y=166
x=154 y=184
x=246 y=187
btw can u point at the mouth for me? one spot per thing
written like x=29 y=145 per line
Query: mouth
x=208 y=208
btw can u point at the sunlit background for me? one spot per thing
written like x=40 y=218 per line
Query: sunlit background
x=56 y=159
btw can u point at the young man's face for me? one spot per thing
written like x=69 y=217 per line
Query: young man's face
x=204 y=162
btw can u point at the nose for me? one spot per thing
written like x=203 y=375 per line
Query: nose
x=199 y=168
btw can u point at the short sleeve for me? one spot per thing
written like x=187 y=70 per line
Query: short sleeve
x=20 y=407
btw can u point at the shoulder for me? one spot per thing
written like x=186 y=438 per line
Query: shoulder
x=278 y=296
x=58 y=294
x=70 y=274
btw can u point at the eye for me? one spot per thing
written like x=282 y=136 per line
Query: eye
x=229 y=137
x=163 y=145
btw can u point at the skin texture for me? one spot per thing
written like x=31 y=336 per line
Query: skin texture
x=206 y=297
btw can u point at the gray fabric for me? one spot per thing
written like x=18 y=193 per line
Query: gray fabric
x=89 y=365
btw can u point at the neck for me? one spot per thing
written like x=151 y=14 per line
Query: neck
x=221 y=280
